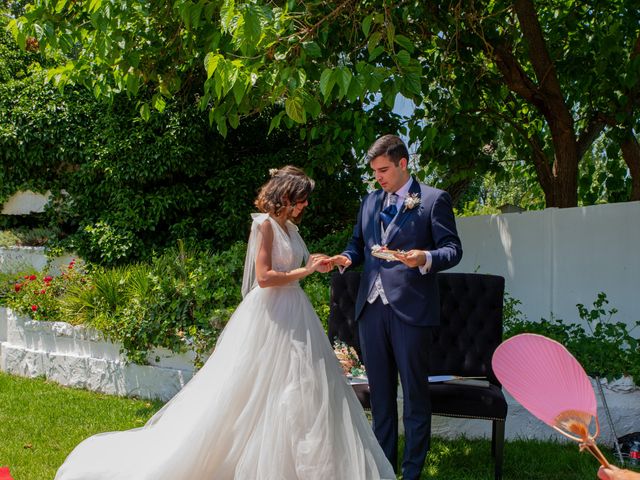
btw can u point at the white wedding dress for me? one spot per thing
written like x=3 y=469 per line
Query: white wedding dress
x=271 y=403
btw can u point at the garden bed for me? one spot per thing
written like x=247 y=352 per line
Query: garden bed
x=81 y=357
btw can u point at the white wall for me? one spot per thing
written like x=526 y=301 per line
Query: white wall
x=20 y=259
x=555 y=258
x=24 y=203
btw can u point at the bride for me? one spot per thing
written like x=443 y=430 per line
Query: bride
x=271 y=403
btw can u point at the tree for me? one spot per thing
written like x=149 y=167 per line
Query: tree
x=237 y=58
x=550 y=76
x=124 y=188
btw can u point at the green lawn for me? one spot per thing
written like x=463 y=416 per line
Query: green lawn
x=41 y=422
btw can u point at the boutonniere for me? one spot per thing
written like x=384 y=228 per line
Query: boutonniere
x=411 y=201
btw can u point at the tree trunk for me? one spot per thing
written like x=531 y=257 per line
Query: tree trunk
x=560 y=183
x=631 y=155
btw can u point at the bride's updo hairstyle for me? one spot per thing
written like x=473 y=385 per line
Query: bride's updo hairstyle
x=288 y=185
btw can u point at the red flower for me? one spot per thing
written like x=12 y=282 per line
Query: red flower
x=47 y=279
x=34 y=308
x=43 y=291
x=71 y=266
x=18 y=286
x=32 y=277
x=26 y=277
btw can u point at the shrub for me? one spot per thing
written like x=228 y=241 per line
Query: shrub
x=38 y=294
x=180 y=299
x=605 y=349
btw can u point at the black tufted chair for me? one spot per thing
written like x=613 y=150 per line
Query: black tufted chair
x=470 y=330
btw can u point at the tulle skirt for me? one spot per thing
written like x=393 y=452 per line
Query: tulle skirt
x=270 y=403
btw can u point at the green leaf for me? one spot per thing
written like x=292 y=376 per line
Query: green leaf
x=376 y=52
x=366 y=24
x=145 y=113
x=294 y=106
x=195 y=13
x=158 y=102
x=312 y=49
x=229 y=76
x=221 y=123
x=373 y=42
x=252 y=28
x=211 y=62
x=343 y=78
x=133 y=83
x=238 y=92
x=94 y=5
x=60 y=5
x=391 y=33
x=327 y=81
x=403 y=58
x=227 y=13
x=404 y=42
x=311 y=105
x=234 y=120
x=275 y=121
x=413 y=83
x=356 y=88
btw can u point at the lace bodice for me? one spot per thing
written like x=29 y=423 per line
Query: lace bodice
x=288 y=250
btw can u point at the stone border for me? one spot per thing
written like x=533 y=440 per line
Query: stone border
x=81 y=357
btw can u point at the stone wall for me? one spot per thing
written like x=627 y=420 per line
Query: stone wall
x=80 y=357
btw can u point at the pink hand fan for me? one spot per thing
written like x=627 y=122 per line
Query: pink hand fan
x=548 y=381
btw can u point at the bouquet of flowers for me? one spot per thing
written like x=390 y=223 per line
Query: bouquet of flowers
x=348 y=359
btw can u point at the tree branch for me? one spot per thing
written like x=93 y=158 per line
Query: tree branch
x=592 y=131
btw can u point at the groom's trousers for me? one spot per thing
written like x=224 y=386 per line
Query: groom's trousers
x=391 y=346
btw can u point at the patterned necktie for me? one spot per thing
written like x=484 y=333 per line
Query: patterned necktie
x=389 y=211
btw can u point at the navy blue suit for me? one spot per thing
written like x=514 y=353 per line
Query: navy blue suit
x=395 y=337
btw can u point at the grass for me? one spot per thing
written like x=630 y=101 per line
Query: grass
x=41 y=422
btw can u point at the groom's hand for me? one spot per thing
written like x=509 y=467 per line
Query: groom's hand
x=339 y=260
x=412 y=258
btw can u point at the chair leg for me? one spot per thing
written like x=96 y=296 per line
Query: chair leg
x=497 y=446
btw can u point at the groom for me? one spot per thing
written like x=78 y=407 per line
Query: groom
x=398 y=301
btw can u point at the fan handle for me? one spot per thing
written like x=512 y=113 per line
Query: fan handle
x=587 y=442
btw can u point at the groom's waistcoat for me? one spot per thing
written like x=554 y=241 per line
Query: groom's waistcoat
x=430 y=225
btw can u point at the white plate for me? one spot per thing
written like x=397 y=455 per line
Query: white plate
x=386 y=255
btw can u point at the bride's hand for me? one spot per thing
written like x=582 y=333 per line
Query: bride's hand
x=316 y=262
x=325 y=266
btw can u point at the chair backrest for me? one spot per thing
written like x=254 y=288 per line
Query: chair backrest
x=470 y=321
x=342 y=309
x=470 y=325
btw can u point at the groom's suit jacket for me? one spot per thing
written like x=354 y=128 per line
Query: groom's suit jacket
x=428 y=226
